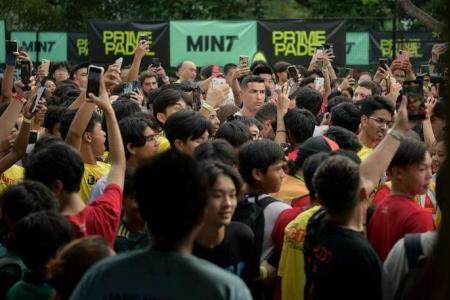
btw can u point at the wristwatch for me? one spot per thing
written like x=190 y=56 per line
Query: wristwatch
x=396 y=134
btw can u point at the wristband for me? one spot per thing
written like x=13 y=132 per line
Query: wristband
x=25 y=120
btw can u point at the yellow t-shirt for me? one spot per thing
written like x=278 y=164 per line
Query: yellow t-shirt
x=291 y=268
x=291 y=188
x=364 y=152
x=164 y=144
x=92 y=173
x=11 y=176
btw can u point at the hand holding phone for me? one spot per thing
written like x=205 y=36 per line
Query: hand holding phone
x=40 y=93
x=413 y=90
x=156 y=62
x=94 y=75
x=382 y=63
x=243 y=61
x=119 y=62
x=25 y=74
x=292 y=71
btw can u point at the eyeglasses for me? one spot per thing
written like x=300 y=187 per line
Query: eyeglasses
x=382 y=122
x=151 y=138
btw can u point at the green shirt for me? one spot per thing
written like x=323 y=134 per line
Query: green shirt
x=127 y=239
x=30 y=291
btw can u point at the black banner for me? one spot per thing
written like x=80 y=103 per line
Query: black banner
x=417 y=44
x=109 y=40
x=77 y=48
x=296 y=40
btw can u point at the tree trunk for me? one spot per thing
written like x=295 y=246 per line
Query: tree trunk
x=423 y=17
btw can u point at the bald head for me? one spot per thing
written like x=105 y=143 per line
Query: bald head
x=187 y=71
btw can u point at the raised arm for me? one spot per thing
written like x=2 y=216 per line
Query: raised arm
x=116 y=152
x=428 y=134
x=282 y=108
x=374 y=166
x=133 y=74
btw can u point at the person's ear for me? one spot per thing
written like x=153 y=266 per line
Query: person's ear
x=131 y=149
x=267 y=124
x=179 y=145
x=364 y=120
x=396 y=173
x=161 y=117
x=57 y=187
x=87 y=137
x=257 y=174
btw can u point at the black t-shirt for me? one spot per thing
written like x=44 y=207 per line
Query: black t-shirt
x=339 y=263
x=236 y=253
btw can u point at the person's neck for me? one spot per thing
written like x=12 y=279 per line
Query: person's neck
x=252 y=189
x=398 y=189
x=87 y=155
x=353 y=219
x=365 y=140
x=210 y=236
x=134 y=224
x=246 y=112
x=71 y=204
x=132 y=162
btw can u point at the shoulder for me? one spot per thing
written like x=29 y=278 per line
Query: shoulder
x=239 y=230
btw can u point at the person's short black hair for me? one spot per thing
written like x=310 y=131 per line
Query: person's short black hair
x=184 y=125
x=300 y=124
x=268 y=112
x=346 y=139
x=213 y=169
x=132 y=131
x=280 y=66
x=68 y=116
x=58 y=161
x=38 y=236
x=337 y=184
x=249 y=121
x=53 y=116
x=309 y=99
x=262 y=70
x=59 y=65
x=307 y=80
x=206 y=71
x=124 y=107
x=228 y=67
x=257 y=63
x=167 y=97
x=334 y=101
x=44 y=142
x=409 y=152
x=346 y=115
x=189 y=197
x=370 y=85
x=259 y=154
x=26 y=197
x=250 y=78
x=310 y=166
x=234 y=132
x=373 y=103
x=217 y=149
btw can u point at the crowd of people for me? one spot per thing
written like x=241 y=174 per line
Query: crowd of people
x=248 y=181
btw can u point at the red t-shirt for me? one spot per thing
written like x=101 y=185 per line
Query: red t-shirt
x=393 y=218
x=100 y=217
x=282 y=221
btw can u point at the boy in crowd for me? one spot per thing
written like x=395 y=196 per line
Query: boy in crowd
x=185 y=130
x=399 y=213
x=61 y=169
x=167 y=269
x=376 y=118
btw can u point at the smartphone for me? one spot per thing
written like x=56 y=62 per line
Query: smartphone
x=319 y=50
x=94 y=75
x=11 y=47
x=119 y=62
x=218 y=81
x=243 y=60
x=45 y=65
x=319 y=64
x=128 y=88
x=143 y=37
x=25 y=73
x=413 y=90
x=292 y=71
x=135 y=85
x=39 y=94
x=318 y=83
x=382 y=63
x=328 y=47
x=156 y=62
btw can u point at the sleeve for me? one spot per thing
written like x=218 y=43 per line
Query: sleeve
x=104 y=214
x=394 y=269
x=98 y=189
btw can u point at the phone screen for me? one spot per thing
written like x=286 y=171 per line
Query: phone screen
x=11 y=46
x=93 y=85
x=416 y=102
x=292 y=71
x=25 y=73
x=156 y=62
x=39 y=94
x=382 y=63
x=243 y=60
x=318 y=83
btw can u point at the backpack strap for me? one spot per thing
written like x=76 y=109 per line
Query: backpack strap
x=413 y=249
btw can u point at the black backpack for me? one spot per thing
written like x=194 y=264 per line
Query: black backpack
x=416 y=263
x=252 y=214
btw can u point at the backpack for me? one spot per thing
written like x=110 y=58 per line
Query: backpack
x=416 y=262
x=252 y=214
x=10 y=273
